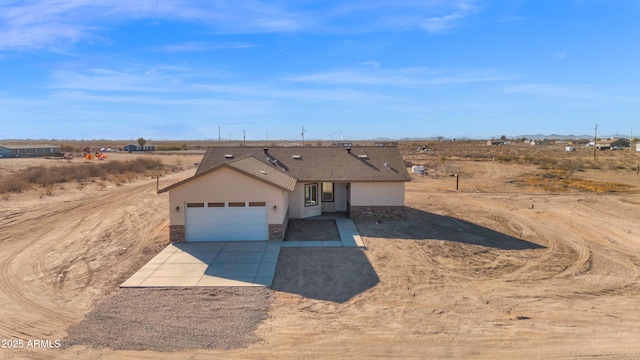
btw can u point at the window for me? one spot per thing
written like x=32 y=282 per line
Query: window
x=195 y=205
x=310 y=194
x=215 y=204
x=257 y=203
x=237 y=204
x=327 y=192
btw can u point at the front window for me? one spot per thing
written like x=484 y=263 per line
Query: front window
x=310 y=194
x=327 y=192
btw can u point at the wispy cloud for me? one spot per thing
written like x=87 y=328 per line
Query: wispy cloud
x=197 y=46
x=38 y=24
x=462 y=9
x=171 y=83
x=407 y=77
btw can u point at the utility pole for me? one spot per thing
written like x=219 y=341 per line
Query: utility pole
x=244 y=138
x=595 y=142
x=303 y=135
x=218 y=133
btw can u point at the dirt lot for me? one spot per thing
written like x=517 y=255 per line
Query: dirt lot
x=497 y=269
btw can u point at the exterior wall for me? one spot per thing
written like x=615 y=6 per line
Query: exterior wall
x=4 y=152
x=637 y=147
x=29 y=152
x=297 y=210
x=278 y=231
x=177 y=233
x=227 y=185
x=377 y=194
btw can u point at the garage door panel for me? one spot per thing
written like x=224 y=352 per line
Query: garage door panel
x=226 y=224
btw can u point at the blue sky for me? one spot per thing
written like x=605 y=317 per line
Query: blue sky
x=121 y=69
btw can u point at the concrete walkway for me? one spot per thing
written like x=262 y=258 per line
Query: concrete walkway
x=231 y=263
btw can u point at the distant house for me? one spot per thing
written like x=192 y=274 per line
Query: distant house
x=28 y=150
x=387 y=143
x=250 y=193
x=136 y=147
x=638 y=147
x=342 y=144
x=569 y=148
x=611 y=143
x=496 y=142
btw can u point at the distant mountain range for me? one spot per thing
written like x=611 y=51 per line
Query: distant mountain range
x=529 y=136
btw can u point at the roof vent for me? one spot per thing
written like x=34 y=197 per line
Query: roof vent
x=266 y=150
x=349 y=150
x=228 y=156
x=297 y=157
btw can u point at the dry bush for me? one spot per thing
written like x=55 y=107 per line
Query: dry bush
x=561 y=181
x=11 y=184
x=48 y=176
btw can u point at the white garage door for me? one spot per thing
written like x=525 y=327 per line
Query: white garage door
x=231 y=221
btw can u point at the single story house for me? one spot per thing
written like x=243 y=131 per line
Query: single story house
x=28 y=150
x=136 y=147
x=250 y=193
x=638 y=147
x=610 y=143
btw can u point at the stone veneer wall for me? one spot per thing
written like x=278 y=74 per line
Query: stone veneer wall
x=277 y=231
x=176 y=233
x=377 y=212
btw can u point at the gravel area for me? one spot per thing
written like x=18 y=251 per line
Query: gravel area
x=171 y=319
x=312 y=230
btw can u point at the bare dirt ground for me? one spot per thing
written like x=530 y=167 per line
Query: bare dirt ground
x=495 y=270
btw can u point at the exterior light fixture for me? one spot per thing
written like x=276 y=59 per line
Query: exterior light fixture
x=177 y=208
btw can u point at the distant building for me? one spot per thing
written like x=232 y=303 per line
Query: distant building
x=136 y=147
x=342 y=144
x=28 y=150
x=569 y=148
x=610 y=143
x=638 y=147
x=387 y=143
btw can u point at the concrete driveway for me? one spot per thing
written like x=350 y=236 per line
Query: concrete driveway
x=231 y=263
x=246 y=263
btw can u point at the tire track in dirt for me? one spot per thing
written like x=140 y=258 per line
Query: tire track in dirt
x=54 y=258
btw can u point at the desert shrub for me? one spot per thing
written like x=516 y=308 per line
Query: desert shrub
x=507 y=158
x=172 y=147
x=12 y=184
x=48 y=176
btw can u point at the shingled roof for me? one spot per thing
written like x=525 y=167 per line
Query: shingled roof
x=248 y=166
x=362 y=163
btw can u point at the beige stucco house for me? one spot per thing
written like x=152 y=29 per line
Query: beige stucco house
x=250 y=193
x=607 y=144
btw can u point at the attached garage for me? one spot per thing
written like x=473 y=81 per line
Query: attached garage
x=226 y=221
x=247 y=193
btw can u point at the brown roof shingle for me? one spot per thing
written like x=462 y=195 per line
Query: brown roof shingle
x=365 y=163
x=261 y=171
